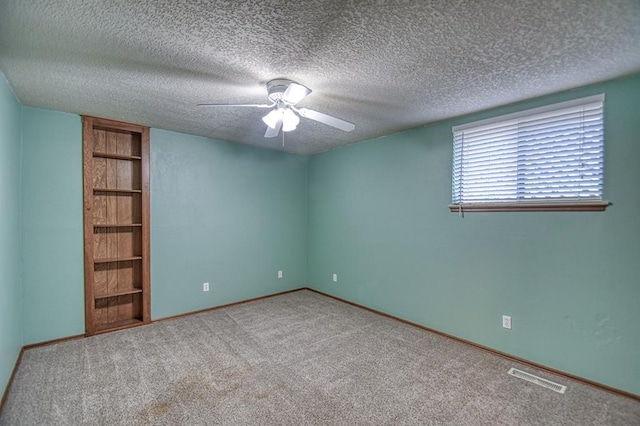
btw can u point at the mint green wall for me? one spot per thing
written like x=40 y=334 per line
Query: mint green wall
x=221 y=213
x=378 y=217
x=52 y=233
x=10 y=288
x=226 y=214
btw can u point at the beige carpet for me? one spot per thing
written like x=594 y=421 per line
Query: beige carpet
x=294 y=359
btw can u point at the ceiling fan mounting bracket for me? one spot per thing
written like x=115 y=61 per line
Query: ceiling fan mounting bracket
x=276 y=88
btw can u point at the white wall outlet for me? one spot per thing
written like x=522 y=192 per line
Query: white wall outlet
x=205 y=287
x=279 y=274
x=335 y=278
x=506 y=321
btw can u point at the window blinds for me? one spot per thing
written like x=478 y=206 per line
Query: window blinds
x=553 y=153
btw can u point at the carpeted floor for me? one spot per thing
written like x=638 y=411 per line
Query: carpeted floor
x=294 y=359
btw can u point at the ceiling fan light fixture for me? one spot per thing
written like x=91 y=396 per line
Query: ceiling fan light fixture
x=284 y=95
x=289 y=120
x=272 y=118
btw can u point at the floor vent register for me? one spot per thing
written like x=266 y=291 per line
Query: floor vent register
x=537 y=380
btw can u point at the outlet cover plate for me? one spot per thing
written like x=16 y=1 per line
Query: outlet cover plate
x=506 y=322
x=205 y=287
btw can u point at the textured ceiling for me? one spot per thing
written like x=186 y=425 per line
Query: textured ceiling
x=383 y=65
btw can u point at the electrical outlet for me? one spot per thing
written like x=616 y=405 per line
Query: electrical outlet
x=335 y=278
x=205 y=287
x=279 y=274
x=506 y=322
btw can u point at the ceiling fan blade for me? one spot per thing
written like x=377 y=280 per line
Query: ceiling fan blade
x=238 y=105
x=295 y=93
x=327 y=119
x=272 y=132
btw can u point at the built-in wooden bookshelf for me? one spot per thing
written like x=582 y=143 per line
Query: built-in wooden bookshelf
x=116 y=225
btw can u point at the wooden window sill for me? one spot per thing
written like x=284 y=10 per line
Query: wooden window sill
x=576 y=206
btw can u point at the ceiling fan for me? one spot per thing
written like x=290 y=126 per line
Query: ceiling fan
x=284 y=95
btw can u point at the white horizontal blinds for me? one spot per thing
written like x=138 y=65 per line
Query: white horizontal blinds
x=487 y=164
x=553 y=155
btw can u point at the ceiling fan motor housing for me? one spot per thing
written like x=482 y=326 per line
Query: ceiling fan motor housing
x=276 y=88
x=284 y=94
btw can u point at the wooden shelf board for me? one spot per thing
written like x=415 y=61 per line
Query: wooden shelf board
x=118 y=325
x=117 y=225
x=124 y=191
x=120 y=293
x=116 y=156
x=117 y=259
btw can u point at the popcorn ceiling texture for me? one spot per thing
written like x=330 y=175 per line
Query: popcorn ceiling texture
x=383 y=65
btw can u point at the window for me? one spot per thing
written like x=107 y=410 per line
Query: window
x=548 y=158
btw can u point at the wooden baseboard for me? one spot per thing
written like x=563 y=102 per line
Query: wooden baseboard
x=186 y=314
x=81 y=336
x=53 y=342
x=17 y=364
x=13 y=373
x=490 y=350
x=422 y=327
